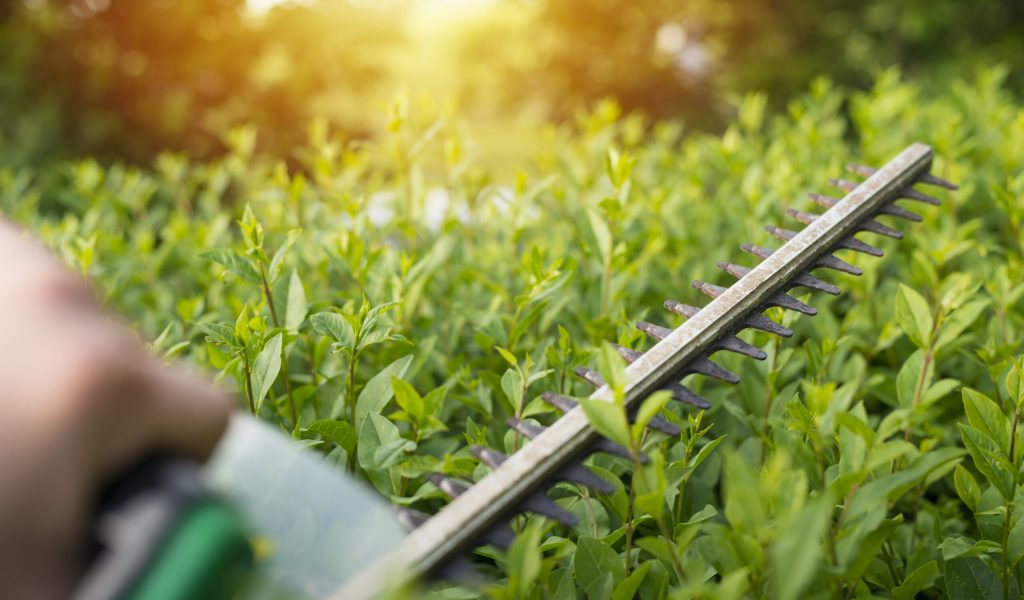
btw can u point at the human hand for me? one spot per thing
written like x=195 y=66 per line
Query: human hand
x=81 y=400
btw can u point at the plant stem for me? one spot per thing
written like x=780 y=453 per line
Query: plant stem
x=284 y=357
x=1008 y=519
x=629 y=518
x=768 y=402
x=350 y=398
x=589 y=503
x=672 y=550
x=919 y=389
x=248 y=383
x=606 y=277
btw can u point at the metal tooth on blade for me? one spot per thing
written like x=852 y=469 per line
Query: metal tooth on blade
x=609 y=447
x=763 y=323
x=603 y=445
x=783 y=234
x=628 y=354
x=700 y=366
x=804 y=279
x=577 y=473
x=410 y=519
x=869 y=225
x=565 y=404
x=810 y=281
x=562 y=403
x=906 y=192
x=491 y=458
x=684 y=395
x=823 y=200
x=757 y=251
x=500 y=536
x=937 y=181
x=872 y=226
x=681 y=309
x=843 y=184
x=867 y=171
x=450 y=487
x=898 y=211
x=461 y=570
x=704 y=366
x=788 y=302
x=679 y=393
x=710 y=290
x=655 y=331
x=736 y=271
x=802 y=216
x=538 y=502
x=528 y=429
x=851 y=243
x=735 y=344
x=590 y=376
x=862 y=170
x=830 y=262
x=827 y=261
x=542 y=504
x=912 y=194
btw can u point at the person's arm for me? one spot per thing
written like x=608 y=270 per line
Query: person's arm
x=81 y=400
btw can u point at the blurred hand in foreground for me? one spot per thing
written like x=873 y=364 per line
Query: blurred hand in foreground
x=81 y=400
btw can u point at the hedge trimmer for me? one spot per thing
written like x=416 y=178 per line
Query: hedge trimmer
x=479 y=514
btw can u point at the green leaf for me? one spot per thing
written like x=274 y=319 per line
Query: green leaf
x=985 y=415
x=908 y=377
x=797 y=552
x=378 y=391
x=1015 y=543
x=235 y=263
x=649 y=409
x=914 y=316
x=512 y=385
x=374 y=433
x=608 y=418
x=508 y=356
x=409 y=400
x=967 y=487
x=612 y=368
x=334 y=326
x=391 y=453
x=1015 y=381
x=918 y=579
x=592 y=560
x=524 y=560
x=265 y=369
x=339 y=432
x=989 y=459
x=297 y=306
x=218 y=333
x=602 y=235
x=958 y=321
x=627 y=588
x=969 y=577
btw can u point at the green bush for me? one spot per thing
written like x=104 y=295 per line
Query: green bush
x=390 y=304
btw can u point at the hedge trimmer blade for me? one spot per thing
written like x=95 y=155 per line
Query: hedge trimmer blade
x=478 y=514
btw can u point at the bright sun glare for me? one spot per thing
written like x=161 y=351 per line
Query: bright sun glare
x=444 y=10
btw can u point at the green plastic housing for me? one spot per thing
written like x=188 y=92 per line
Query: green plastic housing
x=206 y=556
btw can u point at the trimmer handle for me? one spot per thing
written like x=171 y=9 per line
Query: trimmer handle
x=160 y=536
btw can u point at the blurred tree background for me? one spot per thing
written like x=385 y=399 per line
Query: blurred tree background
x=126 y=79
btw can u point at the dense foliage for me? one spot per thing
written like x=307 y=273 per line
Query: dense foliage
x=390 y=304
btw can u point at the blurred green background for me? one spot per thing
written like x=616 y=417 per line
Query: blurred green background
x=127 y=79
